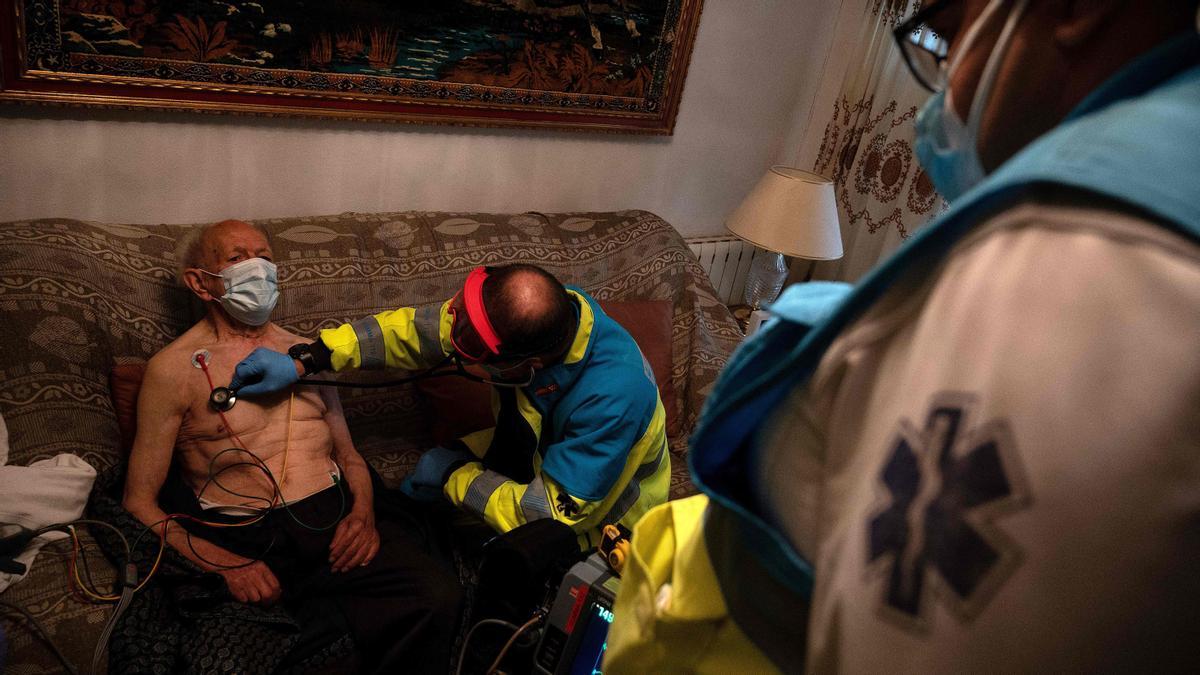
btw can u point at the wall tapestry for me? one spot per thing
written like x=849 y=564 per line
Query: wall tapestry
x=614 y=65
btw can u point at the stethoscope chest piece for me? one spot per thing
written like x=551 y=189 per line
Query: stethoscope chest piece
x=222 y=398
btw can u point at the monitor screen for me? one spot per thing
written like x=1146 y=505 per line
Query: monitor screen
x=594 y=641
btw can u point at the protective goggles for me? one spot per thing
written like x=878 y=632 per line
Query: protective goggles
x=476 y=319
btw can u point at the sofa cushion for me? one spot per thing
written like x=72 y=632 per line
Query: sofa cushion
x=649 y=322
x=461 y=406
x=124 y=382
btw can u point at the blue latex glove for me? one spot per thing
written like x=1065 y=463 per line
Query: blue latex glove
x=265 y=371
x=425 y=483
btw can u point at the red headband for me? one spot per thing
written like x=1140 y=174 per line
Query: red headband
x=473 y=297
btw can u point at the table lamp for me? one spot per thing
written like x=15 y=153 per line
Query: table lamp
x=790 y=212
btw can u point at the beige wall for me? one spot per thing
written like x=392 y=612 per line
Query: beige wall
x=748 y=96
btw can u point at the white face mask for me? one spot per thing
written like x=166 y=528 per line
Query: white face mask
x=947 y=147
x=251 y=290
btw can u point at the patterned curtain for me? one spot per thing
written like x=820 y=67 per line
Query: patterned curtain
x=869 y=102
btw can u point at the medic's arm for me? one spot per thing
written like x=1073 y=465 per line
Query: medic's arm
x=635 y=455
x=489 y=494
x=405 y=338
x=506 y=504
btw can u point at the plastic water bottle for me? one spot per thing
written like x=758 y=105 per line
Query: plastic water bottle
x=765 y=279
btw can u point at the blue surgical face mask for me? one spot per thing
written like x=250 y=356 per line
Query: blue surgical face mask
x=946 y=146
x=251 y=290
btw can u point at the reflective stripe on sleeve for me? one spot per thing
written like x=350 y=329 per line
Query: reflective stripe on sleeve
x=372 y=351
x=633 y=491
x=646 y=470
x=482 y=488
x=427 y=322
x=534 y=503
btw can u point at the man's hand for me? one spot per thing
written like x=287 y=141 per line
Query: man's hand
x=355 y=542
x=253 y=584
x=264 y=371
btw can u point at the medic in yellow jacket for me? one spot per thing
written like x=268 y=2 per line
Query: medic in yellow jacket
x=580 y=433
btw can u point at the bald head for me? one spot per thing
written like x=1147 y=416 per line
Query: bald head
x=530 y=310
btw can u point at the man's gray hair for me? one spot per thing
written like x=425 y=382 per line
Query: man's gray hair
x=189 y=250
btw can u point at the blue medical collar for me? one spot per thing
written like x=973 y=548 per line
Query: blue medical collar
x=1143 y=73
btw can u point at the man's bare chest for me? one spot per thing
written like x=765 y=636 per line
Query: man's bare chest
x=211 y=366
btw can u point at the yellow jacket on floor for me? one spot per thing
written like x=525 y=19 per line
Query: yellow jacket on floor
x=672 y=616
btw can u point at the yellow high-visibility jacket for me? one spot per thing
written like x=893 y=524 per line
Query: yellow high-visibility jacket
x=585 y=443
x=670 y=615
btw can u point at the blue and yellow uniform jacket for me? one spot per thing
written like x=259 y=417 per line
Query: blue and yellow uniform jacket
x=585 y=443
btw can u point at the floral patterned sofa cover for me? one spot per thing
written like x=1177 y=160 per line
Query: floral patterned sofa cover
x=77 y=298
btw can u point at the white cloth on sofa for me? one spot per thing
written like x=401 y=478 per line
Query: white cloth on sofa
x=45 y=492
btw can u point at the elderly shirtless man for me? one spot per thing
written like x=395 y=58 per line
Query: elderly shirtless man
x=400 y=605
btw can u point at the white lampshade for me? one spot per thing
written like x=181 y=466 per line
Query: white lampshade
x=792 y=212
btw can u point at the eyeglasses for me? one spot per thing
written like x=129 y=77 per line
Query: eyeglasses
x=923 y=49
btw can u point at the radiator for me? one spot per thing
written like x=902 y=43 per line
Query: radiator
x=727 y=260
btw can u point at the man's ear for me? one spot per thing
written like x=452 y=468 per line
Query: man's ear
x=195 y=281
x=1082 y=18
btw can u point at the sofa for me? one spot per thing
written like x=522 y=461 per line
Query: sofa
x=80 y=301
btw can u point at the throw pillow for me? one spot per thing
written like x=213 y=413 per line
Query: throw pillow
x=650 y=323
x=124 y=382
x=459 y=405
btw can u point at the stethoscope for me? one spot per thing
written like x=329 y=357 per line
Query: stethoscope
x=224 y=398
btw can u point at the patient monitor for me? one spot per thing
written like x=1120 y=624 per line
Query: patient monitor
x=576 y=631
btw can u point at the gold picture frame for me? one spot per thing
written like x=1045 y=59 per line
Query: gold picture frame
x=610 y=65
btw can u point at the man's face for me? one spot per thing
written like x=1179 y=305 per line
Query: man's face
x=1028 y=97
x=227 y=244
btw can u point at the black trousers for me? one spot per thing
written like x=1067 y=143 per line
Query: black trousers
x=402 y=609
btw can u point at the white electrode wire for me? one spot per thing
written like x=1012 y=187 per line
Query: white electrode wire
x=508 y=645
x=462 y=654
